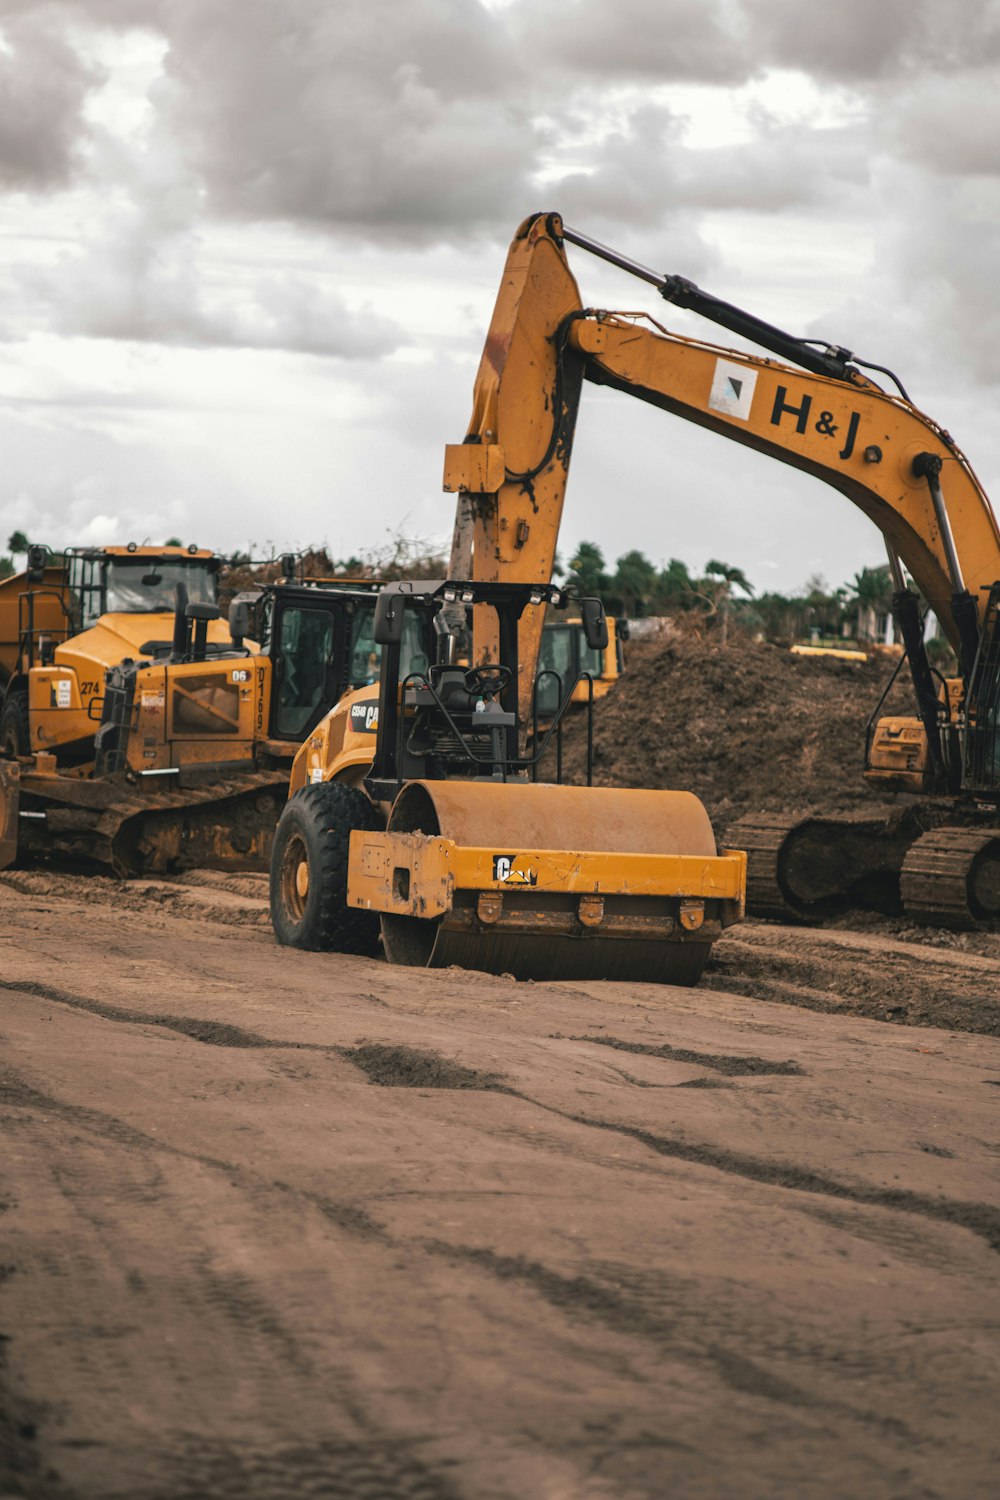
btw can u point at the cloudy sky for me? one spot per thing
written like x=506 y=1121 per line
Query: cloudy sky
x=250 y=248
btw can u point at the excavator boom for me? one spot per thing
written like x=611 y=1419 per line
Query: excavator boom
x=821 y=415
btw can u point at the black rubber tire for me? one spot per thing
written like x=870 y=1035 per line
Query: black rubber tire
x=15 y=729
x=316 y=828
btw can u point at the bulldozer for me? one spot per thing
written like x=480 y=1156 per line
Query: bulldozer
x=818 y=408
x=194 y=738
x=64 y=623
x=417 y=819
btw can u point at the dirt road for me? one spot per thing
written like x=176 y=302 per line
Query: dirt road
x=280 y=1224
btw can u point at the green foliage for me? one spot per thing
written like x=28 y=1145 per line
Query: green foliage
x=634 y=582
x=722 y=597
x=17 y=542
x=586 y=570
x=6 y=567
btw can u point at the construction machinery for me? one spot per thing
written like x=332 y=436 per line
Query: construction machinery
x=195 y=737
x=815 y=408
x=417 y=817
x=564 y=656
x=63 y=624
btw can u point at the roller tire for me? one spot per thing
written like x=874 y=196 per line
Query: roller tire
x=15 y=727
x=316 y=828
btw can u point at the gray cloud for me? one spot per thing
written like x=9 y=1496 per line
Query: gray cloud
x=857 y=41
x=389 y=118
x=142 y=285
x=43 y=86
x=673 y=42
x=949 y=124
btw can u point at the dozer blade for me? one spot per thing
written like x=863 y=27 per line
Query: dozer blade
x=133 y=830
x=548 y=882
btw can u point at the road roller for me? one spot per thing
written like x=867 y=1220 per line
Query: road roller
x=419 y=822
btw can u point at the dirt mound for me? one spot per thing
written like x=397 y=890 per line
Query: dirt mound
x=748 y=728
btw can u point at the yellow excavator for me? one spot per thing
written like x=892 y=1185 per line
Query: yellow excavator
x=815 y=408
x=417 y=815
x=64 y=623
x=195 y=736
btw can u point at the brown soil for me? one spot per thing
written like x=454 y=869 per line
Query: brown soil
x=279 y=1224
x=748 y=728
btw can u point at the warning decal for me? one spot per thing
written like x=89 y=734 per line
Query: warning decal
x=732 y=389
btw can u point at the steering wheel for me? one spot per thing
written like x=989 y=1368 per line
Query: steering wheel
x=487 y=681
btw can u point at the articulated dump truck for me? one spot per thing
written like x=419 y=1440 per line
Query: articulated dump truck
x=193 y=738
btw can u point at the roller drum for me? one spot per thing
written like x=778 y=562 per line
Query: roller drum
x=510 y=817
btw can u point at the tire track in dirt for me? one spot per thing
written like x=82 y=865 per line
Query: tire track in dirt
x=624 y=1314
x=16 y=1093
x=981 y=1219
x=733 y=1066
x=922 y=988
x=380 y=1467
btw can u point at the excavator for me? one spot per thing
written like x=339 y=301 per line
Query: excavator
x=193 y=738
x=818 y=408
x=64 y=624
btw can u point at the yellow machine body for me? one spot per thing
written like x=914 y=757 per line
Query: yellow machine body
x=548 y=881
x=898 y=759
x=63 y=697
x=340 y=747
x=191 y=713
x=511 y=470
x=60 y=661
x=50 y=615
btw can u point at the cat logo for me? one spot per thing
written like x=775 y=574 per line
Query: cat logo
x=505 y=870
x=364 y=718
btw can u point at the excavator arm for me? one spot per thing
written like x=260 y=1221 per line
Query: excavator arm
x=826 y=418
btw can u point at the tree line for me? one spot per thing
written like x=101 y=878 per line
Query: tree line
x=719 y=597
x=722 y=597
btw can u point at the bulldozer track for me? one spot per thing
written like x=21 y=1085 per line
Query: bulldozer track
x=951 y=878
x=115 y=822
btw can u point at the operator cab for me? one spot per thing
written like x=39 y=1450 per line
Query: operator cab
x=136 y=581
x=443 y=721
x=320 y=638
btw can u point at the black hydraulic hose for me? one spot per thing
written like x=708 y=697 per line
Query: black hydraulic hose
x=829 y=359
x=906 y=613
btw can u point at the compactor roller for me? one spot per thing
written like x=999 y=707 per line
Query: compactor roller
x=455 y=854
x=546 y=882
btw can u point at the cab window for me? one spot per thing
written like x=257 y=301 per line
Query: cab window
x=305 y=652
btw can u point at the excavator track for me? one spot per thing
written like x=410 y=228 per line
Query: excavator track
x=132 y=830
x=764 y=837
x=951 y=878
x=810 y=867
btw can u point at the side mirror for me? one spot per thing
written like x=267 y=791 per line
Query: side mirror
x=595 y=624
x=240 y=621
x=388 y=619
x=37 y=558
x=287 y=565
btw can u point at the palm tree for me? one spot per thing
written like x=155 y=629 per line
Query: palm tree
x=729 y=578
x=871 y=593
